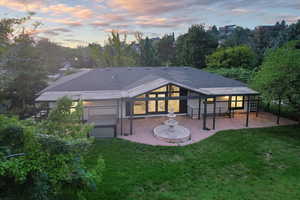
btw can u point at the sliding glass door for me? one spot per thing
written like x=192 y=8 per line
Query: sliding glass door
x=157 y=106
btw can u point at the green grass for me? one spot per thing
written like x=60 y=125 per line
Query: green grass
x=236 y=164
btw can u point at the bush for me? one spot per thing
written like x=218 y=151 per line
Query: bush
x=34 y=165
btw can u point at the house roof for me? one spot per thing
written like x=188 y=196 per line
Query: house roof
x=117 y=82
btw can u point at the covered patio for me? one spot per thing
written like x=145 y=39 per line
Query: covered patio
x=142 y=128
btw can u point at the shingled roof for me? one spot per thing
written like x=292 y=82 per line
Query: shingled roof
x=129 y=81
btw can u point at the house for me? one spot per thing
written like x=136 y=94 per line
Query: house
x=112 y=95
x=227 y=30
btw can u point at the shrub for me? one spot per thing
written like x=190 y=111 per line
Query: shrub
x=35 y=165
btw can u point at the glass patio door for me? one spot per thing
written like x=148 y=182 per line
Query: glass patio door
x=157 y=106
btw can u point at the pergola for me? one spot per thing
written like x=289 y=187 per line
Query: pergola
x=200 y=97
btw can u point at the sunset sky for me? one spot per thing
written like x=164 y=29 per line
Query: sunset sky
x=79 y=22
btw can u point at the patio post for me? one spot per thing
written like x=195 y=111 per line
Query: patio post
x=121 y=117
x=279 y=110
x=205 y=113
x=230 y=100
x=131 y=113
x=199 y=108
x=257 y=106
x=214 y=114
x=248 y=109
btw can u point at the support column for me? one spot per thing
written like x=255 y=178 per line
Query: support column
x=121 y=117
x=131 y=116
x=205 y=114
x=257 y=106
x=279 y=111
x=248 y=110
x=229 y=106
x=214 y=114
x=199 y=108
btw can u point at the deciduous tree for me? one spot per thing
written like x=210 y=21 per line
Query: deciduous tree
x=279 y=75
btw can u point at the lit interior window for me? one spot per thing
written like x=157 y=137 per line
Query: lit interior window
x=162 y=89
x=237 y=102
x=174 y=88
x=139 y=107
x=73 y=107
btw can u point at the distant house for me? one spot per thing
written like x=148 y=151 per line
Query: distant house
x=227 y=30
x=265 y=28
x=111 y=95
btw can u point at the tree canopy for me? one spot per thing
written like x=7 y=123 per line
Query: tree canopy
x=279 y=75
x=193 y=47
x=232 y=57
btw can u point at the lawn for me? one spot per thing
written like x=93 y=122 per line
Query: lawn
x=236 y=164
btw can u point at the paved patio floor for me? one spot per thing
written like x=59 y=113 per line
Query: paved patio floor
x=143 y=127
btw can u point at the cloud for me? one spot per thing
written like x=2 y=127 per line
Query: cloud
x=99 y=24
x=22 y=5
x=66 y=21
x=50 y=31
x=162 y=22
x=240 y=11
x=114 y=17
x=78 y=11
x=147 y=6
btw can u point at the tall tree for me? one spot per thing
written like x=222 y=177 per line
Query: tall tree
x=24 y=67
x=116 y=52
x=8 y=28
x=240 y=36
x=54 y=56
x=294 y=31
x=166 y=50
x=147 y=53
x=279 y=75
x=195 y=46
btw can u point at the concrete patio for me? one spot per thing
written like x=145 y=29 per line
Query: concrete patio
x=143 y=127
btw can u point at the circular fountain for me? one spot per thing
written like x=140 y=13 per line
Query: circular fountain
x=171 y=132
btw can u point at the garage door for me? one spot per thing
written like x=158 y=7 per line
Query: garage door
x=103 y=132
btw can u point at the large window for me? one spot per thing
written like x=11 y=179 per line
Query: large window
x=139 y=108
x=157 y=103
x=237 y=102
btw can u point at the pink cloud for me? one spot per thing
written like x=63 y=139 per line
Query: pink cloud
x=147 y=6
x=49 y=31
x=113 y=17
x=99 y=24
x=162 y=22
x=65 y=21
x=21 y=5
x=77 y=11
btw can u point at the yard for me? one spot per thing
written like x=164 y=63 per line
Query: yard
x=257 y=164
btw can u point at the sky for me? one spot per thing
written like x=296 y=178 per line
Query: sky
x=80 y=22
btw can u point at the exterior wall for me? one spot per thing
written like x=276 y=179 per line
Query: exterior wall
x=193 y=107
x=113 y=107
x=104 y=107
x=221 y=107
